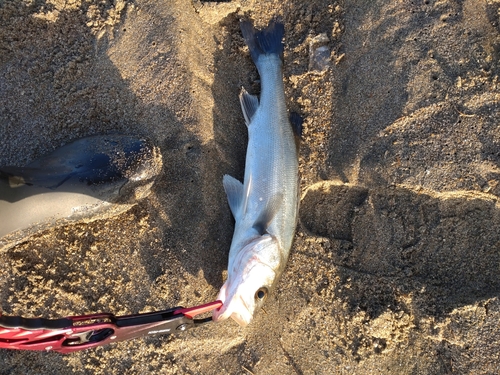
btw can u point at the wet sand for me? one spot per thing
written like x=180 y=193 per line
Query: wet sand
x=395 y=263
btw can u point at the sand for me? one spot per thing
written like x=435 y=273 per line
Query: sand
x=395 y=268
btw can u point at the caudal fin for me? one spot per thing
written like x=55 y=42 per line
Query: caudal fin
x=263 y=42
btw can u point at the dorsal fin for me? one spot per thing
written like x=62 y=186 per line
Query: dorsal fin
x=234 y=192
x=268 y=213
x=249 y=104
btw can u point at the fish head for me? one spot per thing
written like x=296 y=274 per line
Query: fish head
x=251 y=276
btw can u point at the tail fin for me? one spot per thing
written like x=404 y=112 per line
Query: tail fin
x=264 y=42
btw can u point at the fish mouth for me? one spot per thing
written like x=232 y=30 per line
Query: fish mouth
x=237 y=287
x=242 y=321
x=236 y=309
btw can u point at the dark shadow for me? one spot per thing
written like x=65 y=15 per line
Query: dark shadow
x=232 y=69
x=440 y=249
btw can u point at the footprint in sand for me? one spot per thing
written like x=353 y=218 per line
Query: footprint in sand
x=447 y=242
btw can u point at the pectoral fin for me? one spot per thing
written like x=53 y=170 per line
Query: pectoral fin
x=234 y=192
x=268 y=214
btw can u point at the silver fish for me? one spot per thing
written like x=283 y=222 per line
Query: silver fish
x=265 y=206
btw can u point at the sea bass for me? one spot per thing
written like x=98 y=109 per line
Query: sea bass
x=265 y=206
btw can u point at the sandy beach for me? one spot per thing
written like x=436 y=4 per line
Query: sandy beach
x=395 y=266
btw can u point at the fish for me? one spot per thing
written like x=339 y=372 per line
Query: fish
x=91 y=178
x=266 y=204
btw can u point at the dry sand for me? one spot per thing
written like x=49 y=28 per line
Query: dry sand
x=395 y=267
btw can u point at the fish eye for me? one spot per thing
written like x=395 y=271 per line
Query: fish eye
x=261 y=293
